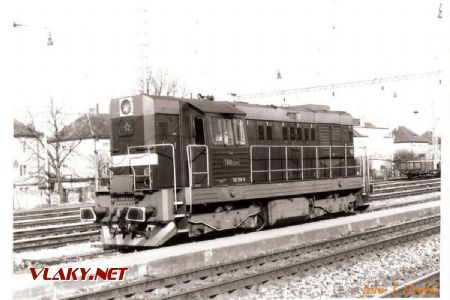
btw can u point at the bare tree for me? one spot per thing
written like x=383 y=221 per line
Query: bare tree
x=163 y=83
x=58 y=149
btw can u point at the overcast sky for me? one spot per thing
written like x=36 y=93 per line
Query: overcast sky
x=218 y=47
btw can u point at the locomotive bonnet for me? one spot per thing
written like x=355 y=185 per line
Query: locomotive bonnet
x=190 y=167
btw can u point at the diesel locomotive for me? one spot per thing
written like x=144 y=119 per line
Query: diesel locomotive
x=185 y=166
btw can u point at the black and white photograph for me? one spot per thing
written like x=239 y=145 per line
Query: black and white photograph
x=226 y=149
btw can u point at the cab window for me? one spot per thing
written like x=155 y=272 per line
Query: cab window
x=228 y=131
x=239 y=131
x=216 y=130
x=228 y=137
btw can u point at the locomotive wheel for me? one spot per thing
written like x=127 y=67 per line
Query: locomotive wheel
x=261 y=218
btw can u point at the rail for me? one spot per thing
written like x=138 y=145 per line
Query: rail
x=362 y=168
x=191 y=171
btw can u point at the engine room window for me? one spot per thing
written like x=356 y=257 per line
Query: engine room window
x=269 y=132
x=292 y=133
x=260 y=132
x=285 y=133
x=216 y=130
x=306 y=133
x=299 y=134
x=239 y=131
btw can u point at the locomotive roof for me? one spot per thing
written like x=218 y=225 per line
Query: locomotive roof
x=220 y=107
x=309 y=113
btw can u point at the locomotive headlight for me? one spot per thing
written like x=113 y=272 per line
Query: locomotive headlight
x=125 y=107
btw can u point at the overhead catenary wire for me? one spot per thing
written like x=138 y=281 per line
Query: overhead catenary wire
x=348 y=84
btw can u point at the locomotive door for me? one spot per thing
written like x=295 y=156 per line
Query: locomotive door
x=194 y=152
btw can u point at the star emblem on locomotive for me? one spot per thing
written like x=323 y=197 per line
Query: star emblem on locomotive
x=127 y=127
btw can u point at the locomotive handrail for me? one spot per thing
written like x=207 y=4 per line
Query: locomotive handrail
x=148 y=147
x=269 y=170
x=191 y=172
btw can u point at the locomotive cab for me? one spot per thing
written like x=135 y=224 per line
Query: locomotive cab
x=142 y=194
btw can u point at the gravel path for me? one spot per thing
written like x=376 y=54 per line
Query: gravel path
x=378 y=269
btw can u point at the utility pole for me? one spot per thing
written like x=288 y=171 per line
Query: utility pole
x=142 y=34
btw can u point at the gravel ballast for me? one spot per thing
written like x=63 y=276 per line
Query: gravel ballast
x=376 y=270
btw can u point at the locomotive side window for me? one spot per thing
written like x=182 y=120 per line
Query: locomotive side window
x=260 y=132
x=292 y=133
x=269 y=132
x=239 y=131
x=347 y=134
x=285 y=133
x=299 y=134
x=306 y=133
x=216 y=130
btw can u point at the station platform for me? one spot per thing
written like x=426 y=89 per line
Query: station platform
x=174 y=259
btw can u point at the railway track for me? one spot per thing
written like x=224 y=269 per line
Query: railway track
x=45 y=213
x=383 y=191
x=35 y=229
x=427 y=285
x=48 y=216
x=223 y=278
x=54 y=240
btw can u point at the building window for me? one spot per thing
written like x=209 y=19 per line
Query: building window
x=313 y=134
x=23 y=170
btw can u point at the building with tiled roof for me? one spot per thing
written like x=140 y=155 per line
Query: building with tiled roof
x=28 y=161
x=406 y=139
x=90 y=134
x=403 y=134
x=377 y=143
x=24 y=131
x=87 y=126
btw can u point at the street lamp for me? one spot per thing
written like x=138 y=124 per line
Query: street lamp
x=45 y=142
x=49 y=38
